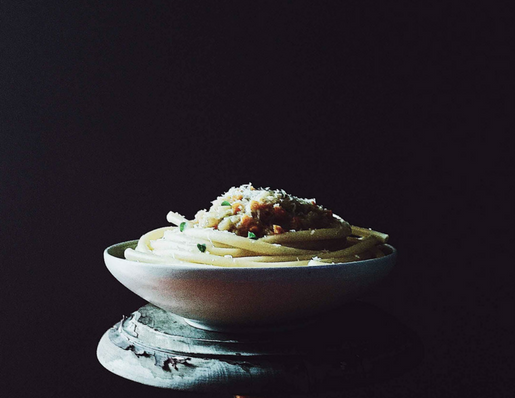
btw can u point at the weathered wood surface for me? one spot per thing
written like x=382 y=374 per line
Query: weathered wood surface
x=158 y=348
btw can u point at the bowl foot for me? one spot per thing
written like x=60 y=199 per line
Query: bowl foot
x=250 y=329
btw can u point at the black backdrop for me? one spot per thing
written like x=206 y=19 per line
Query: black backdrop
x=395 y=116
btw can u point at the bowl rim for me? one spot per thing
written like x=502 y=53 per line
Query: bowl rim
x=107 y=254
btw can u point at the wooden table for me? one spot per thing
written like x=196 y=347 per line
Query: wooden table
x=358 y=344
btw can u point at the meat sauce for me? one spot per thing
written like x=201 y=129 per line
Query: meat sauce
x=247 y=211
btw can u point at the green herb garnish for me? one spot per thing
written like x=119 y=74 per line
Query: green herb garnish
x=182 y=226
x=226 y=203
x=251 y=235
x=201 y=247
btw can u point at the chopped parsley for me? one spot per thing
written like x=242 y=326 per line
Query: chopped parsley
x=182 y=226
x=251 y=235
x=225 y=203
x=201 y=247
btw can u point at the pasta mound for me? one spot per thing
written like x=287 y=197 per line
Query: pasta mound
x=249 y=227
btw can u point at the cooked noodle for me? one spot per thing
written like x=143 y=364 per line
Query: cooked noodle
x=249 y=227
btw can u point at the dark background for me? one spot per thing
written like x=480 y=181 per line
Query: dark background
x=394 y=116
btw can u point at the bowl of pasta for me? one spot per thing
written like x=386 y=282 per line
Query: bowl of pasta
x=257 y=259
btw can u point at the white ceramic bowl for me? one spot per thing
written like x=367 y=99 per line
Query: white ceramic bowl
x=246 y=299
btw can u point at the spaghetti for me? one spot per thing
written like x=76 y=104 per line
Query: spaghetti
x=249 y=227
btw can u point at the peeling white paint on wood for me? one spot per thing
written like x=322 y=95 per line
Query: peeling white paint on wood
x=157 y=348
